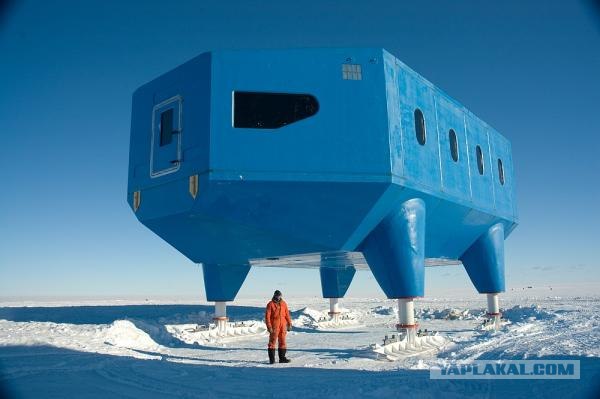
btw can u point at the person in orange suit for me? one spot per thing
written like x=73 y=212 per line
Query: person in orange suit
x=279 y=322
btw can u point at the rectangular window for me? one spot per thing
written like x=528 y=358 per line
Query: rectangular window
x=166 y=127
x=259 y=110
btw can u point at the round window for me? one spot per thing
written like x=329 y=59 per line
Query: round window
x=420 y=127
x=453 y=145
x=479 y=154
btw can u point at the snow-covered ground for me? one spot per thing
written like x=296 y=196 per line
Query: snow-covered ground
x=108 y=349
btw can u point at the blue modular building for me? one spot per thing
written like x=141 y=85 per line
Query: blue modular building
x=331 y=158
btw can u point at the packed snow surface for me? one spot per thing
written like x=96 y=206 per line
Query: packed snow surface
x=138 y=350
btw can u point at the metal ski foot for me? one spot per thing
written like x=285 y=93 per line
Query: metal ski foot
x=220 y=332
x=409 y=345
x=493 y=323
x=337 y=321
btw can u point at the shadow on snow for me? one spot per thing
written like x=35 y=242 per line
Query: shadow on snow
x=48 y=372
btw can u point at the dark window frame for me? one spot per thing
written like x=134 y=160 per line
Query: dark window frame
x=166 y=127
x=501 y=176
x=420 y=126
x=269 y=110
x=453 y=139
x=480 y=160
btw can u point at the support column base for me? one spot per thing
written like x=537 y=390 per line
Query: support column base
x=405 y=326
x=222 y=324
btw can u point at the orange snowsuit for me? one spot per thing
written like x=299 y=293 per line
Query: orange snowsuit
x=277 y=319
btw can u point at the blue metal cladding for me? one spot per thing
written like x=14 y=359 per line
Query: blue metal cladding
x=482 y=186
x=336 y=276
x=335 y=282
x=421 y=162
x=484 y=261
x=222 y=282
x=308 y=147
x=189 y=85
x=324 y=183
x=455 y=174
x=395 y=251
x=504 y=199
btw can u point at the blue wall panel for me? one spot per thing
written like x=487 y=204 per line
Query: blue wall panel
x=289 y=208
x=481 y=184
x=421 y=162
x=339 y=141
x=394 y=112
x=455 y=174
x=190 y=81
x=504 y=193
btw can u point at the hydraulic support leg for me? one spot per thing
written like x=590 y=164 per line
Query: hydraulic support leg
x=395 y=252
x=484 y=263
x=336 y=275
x=222 y=283
x=334 y=309
x=220 y=318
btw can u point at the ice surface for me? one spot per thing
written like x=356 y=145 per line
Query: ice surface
x=125 y=334
x=121 y=350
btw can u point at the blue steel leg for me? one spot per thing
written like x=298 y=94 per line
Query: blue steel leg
x=395 y=252
x=334 y=283
x=484 y=263
x=222 y=283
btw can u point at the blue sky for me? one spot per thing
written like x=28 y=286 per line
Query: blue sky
x=68 y=69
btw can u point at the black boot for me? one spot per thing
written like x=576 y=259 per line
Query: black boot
x=282 y=358
x=271 y=356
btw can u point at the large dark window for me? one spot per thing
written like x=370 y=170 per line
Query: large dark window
x=420 y=126
x=500 y=171
x=271 y=110
x=166 y=127
x=453 y=145
x=479 y=154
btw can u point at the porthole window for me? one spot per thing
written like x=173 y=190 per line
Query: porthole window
x=420 y=127
x=453 y=145
x=479 y=154
x=500 y=171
